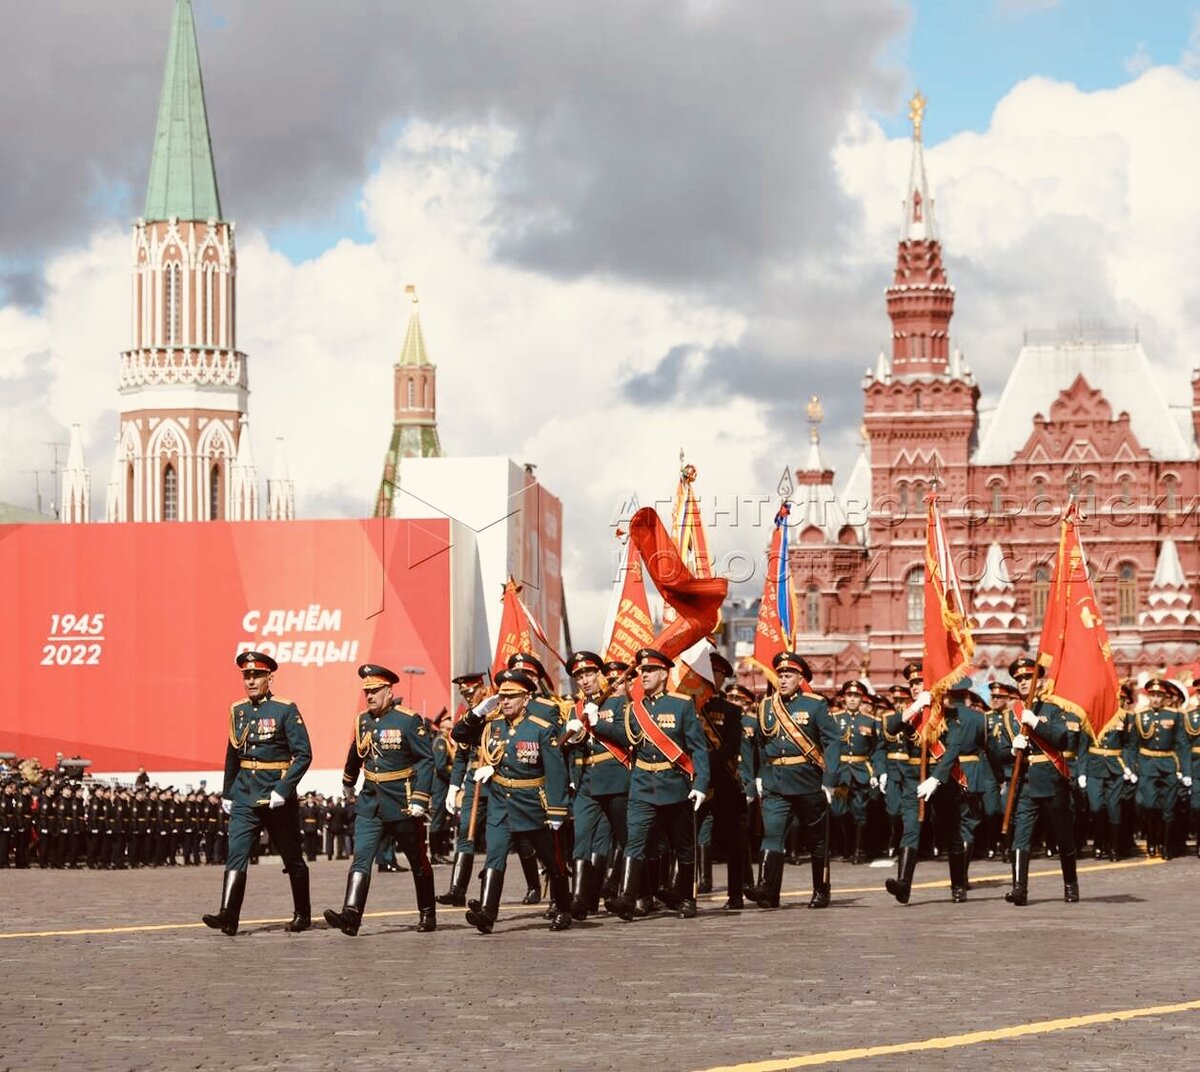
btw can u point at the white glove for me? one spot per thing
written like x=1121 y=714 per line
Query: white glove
x=1129 y=776
x=1019 y=743
x=416 y=811
x=554 y=824
x=1028 y=718
x=923 y=699
x=591 y=712
x=573 y=731
x=1082 y=780
x=875 y=781
x=452 y=795
x=927 y=788
x=486 y=706
x=1187 y=781
x=482 y=774
x=227 y=805
x=758 y=786
x=828 y=794
x=275 y=800
x=697 y=799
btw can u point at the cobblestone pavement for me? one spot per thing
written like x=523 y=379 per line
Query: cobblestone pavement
x=167 y=993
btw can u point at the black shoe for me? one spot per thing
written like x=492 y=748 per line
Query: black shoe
x=349 y=918
x=734 y=904
x=687 y=909
x=232 y=893
x=533 y=880
x=482 y=914
x=900 y=887
x=460 y=878
x=1019 y=894
x=958 y=877
x=301 y=904
x=428 y=921
x=561 y=921
x=820 y=877
x=772 y=880
x=625 y=903
x=1070 y=877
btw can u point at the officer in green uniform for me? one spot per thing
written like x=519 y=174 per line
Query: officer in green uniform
x=523 y=761
x=668 y=783
x=391 y=747
x=1191 y=730
x=467 y=799
x=266 y=755
x=895 y=756
x=863 y=758
x=748 y=775
x=799 y=747
x=601 y=780
x=1003 y=692
x=977 y=764
x=1044 y=789
x=1164 y=761
x=443 y=764
x=1102 y=769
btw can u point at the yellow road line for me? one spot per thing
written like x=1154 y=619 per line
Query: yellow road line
x=139 y=928
x=951 y=1042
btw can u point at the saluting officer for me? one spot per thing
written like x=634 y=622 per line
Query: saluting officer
x=523 y=762
x=391 y=746
x=668 y=783
x=800 y=748
x=266 y=755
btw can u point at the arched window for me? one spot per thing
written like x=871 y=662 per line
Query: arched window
x=214 y=494
x=812 y=609
x=1127 y=595
x=172 y=302
x=916 y=399
x=903 y=498
x=412 y=394
x=997 y=499
x=914 y=593
x=1126 y=490
x=1087 y=499
x=129 y=492
x=1171 y=493
x=170 y=494
x=1040 y=595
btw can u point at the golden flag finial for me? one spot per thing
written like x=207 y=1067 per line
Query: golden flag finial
x=411 y=290
x=816 y=414
x=916 y=112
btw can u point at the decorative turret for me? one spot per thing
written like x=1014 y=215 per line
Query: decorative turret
x=817 y=515
x=281 y=492
x=920 y=300
x=995 y=604
x=1170 y=597
x=414 y=428
x=243 y=479
x=76 y=503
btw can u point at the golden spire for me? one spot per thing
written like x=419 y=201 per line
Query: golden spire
x=411 y=289
x=816 y=414
x=916 y=112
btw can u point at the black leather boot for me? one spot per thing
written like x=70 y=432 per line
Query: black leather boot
x=958 y=877
x=754 y=872
x=1070 y=877
x=482 y=914
x=596 y=880
x=900 y=887
x=625 y=902
x=704 y=868
x=426 y=903
x=860 y=834
x=1168 y=846
x=301 y=904
x=647 y=885
x=685 y=890
x=533 y=879
x=1099 y=835
x=733 y=883
x=1019 y=894
x=772 y=880
x=560 y=900
x=820 y=880
x=460 y=879
x=232 y=893
x=349 y=918
x=668 y=877
x=580 y=888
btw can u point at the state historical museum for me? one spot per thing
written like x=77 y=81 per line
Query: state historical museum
x=1082 y=409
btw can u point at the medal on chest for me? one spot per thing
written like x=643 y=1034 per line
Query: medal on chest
x=528 y=752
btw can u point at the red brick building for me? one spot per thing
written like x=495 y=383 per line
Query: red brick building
x=1082 y=407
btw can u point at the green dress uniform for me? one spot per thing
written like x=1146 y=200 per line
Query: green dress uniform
x=267 y=752
x=659 y=794
x=1044 y=791
x=1191 y=730
x=723 y=814
x=994 y=796
x=528 y=805
x=1163 y=759
x=794 y=781
x=1105 y=766
x=863 y=759
x=394 y=754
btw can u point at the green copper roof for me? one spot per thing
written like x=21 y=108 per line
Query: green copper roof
x=183 y=181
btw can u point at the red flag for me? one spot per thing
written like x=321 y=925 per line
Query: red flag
x=515 y=635
x=632 y=627
x=773 y=632
x=1074 y=649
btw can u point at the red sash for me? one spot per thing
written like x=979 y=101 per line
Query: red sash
x=794 y=733
x=1052 y=754
x=618 y=753
x=654 y=733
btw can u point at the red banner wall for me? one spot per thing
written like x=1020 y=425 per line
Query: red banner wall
x=117 y=641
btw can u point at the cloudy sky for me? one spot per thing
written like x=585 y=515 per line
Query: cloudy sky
x=633 y=227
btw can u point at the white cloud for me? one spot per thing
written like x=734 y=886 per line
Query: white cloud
x=1138 y=60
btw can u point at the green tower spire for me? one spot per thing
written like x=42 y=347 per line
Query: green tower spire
x=183 y=181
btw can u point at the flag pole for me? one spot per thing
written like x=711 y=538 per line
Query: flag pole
x=935 y=478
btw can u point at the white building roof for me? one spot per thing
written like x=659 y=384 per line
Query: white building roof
x=1120 y=371
x=856 y=495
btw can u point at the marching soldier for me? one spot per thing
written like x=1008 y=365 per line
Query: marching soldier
x=602 y=787
x=391 y=746
x=1102 y=769
x=800 y=747
x=47 y=825
x=310 y=823
x=1048 y=737
x=1003 y=693
x=1191 y=730
x=440 y=831
x=1164 y=761
x=523 y=761
x=863 y=758
x=10 y=820
x=267 y=753
x=749 y=776
x=668 y=784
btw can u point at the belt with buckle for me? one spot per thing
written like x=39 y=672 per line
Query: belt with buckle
x=388 y=776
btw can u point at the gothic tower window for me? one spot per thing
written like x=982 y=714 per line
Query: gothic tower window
x=1170 y=494
x=129 y=492
x=170 y=494
x=172 y=302
x=1040 y=595
x=914 y=590
x=214 y=494
x=812 y=610
x=412 y=394
x=1127 y=595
